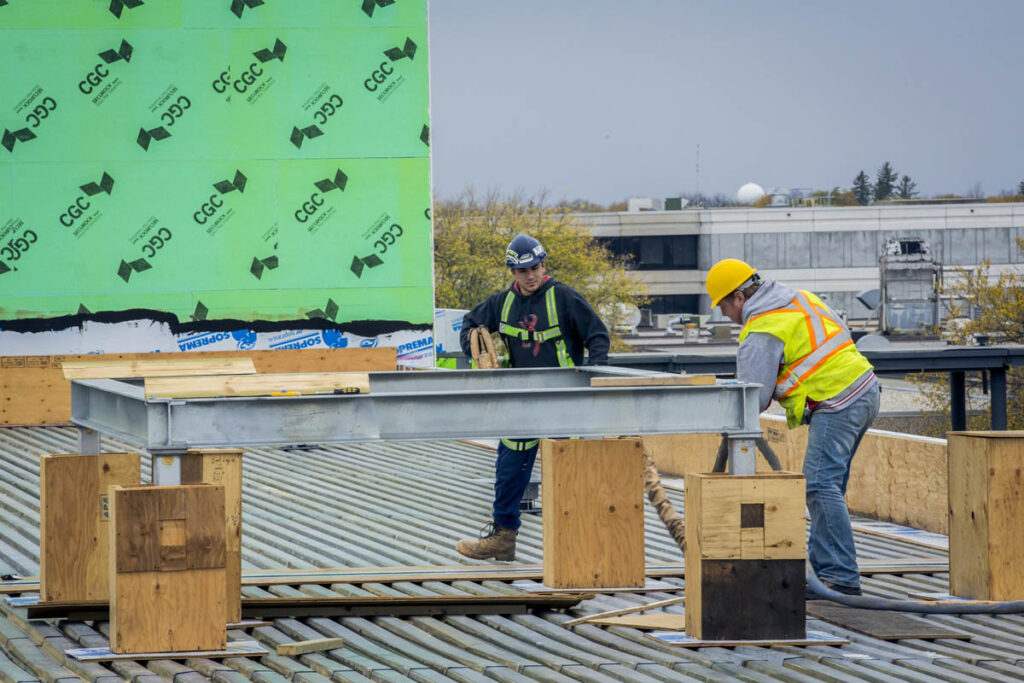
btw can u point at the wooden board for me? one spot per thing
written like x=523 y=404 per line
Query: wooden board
x=986 y=504
x=659 y=380
x=880 y=624
x=592 y=492
x=74 y=516
x=223 y=467
x=119 y=368
x=283 y=384
x=306 y=646
x=167 y=578
x=645 y=622
x=33 y=390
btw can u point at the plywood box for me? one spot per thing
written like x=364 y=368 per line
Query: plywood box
x=592 y=493
x=986 y=506
x=167 y=570
x=74 y=514
x=745 y=554
x=223 y=467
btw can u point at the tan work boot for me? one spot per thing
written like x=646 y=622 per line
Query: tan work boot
x=495 y=542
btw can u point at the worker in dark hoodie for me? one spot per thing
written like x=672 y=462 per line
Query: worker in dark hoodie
x=801 y=354
x=544 y=324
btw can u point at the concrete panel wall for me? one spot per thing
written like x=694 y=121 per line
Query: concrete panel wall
x=960 y=247
x=763 y=249
x=796 y=250
x=827 y=251
x=994 y=244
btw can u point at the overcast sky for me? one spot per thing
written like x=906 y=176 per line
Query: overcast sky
x=608 y=99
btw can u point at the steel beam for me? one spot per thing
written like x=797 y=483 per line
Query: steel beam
x=550 y=402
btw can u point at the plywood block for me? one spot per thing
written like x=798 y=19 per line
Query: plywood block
x=156 y=367
x=659 y=380
x=223 y=467
x=593 y=503
x=284 y=384
x=986 y=504
x=159 y=603
x=645 y=622
x=880 y=624
x=307 y=646
x=33 y=390
x=745 y=535
x=74 y=515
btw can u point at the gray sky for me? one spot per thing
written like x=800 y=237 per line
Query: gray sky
x=603 y=99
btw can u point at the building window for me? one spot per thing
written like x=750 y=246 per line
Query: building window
x=674 y=303
x=659 y=252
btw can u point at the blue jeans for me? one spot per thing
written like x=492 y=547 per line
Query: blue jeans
x=831 y=442
x=512 y=471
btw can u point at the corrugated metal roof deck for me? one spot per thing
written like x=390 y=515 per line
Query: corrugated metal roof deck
x=405 y=504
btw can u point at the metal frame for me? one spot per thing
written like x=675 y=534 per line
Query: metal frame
x=514 y=403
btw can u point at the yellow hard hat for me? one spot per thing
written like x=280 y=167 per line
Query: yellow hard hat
x=725 y=277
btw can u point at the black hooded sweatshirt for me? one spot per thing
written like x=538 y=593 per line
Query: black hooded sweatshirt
x=580 y=325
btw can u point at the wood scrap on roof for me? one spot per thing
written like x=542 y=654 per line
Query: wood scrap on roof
x=283 y=384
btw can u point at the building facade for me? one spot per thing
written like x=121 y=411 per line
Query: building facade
x=833 y=251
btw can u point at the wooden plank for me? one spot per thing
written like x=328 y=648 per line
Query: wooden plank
x=172 y=545
x=259 y=385
x=969 y=543
x=880 y=624
x=693 y=504
x=1005 y=512
x=33 y=390
x=666 y=379
x=785 y=530
x=718 y=520
x=223 y=467
x=645 y=622
x=750 y=599
x=592 y=492
x=74 y=515
x=752 y=518
x=205 y=544
x=627 y=610
x=156 y=367
x=306 y=646
x=166 y=611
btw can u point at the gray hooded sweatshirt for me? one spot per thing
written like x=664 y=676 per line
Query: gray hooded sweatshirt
x=761 y=354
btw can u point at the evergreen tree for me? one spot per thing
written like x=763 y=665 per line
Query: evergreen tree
x=862 y=189
x=907 y=188
x=1020 y=188
x=885 y=181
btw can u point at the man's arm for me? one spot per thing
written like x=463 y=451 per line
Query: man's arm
x=758 y=360
x=589 y=326
x=484 y=315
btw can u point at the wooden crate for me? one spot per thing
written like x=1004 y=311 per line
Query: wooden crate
x=592 y=493
x=74 y=514
x=224 y=468
x=167 y=570
x=986 y=503
x=745 y=553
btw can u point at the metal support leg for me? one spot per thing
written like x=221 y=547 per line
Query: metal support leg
x=166 y=469
x=957 y=401
x=742 y=456
x=998 y=398
x=88 y=441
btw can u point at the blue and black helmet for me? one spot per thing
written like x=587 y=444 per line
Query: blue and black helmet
x=524 y=252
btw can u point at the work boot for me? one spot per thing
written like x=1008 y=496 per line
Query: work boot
x=495 y=542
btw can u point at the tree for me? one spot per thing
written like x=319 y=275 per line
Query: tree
x=907 y=188
x=846 y=198
x=982 y=304
x=1020 y=188
x=975 y=191
x=862 y=189
x=885 y=181
x=470 y=236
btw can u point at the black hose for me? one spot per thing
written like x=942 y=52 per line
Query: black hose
x=816 y=588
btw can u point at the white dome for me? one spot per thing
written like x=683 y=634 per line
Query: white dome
x=749 y=193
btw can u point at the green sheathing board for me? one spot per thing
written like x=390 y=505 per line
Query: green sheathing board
x=215 y=159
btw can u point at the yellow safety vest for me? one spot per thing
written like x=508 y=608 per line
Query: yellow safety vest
x=819 y=359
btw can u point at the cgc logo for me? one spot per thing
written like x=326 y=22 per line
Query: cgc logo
x=383 y=73
x=100 y=72
x=81 y=204
x=238 y=6
x=11 y=137
x=16 y=248
x=388 y=238
x=211 y=206
x=249 y=80
x=310 y=207
x=117 y=6
x=169 y=117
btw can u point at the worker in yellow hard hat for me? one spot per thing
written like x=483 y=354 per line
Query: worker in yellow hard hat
x=801 y=354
